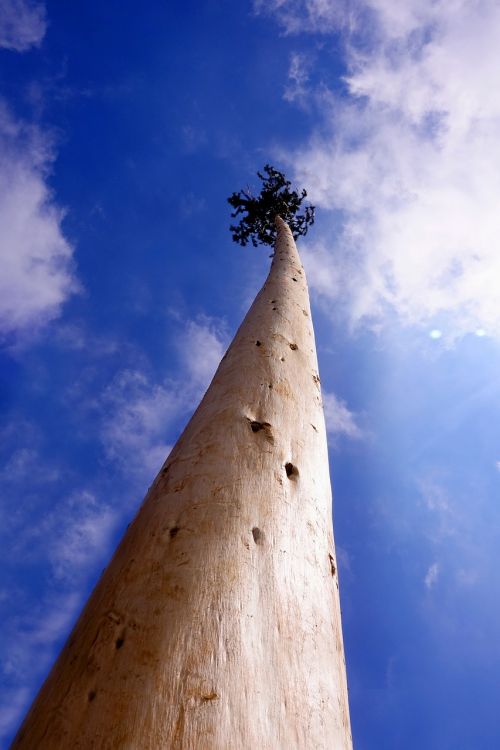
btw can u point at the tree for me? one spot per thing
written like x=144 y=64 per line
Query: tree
x=216 y=625
x=276 y=199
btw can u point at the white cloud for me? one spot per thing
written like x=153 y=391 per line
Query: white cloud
x=398 y=20
x=36 y=275
x=339 y=420
x=432 y=575
x=323 y=276
x=410 y=162
x=22 y=24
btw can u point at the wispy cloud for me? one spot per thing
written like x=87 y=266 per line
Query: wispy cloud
x=60 y=539
x=27 y=650
x=38 y=631
x=59 y=543
x=431 y=576
x=24 y=462
x=298 y=77
x=405 y=162
x=202 y=345
x=454 y=532
x=76 y=336
x=435 y=495
x=36 y=268
x=70 y=531
x=339 y=420
x=138 y=412
x=311 y=16
x=22 y=24
x=11 y=711
x=84 y=531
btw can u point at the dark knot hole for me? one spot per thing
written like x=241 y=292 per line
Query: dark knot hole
x=257 y=535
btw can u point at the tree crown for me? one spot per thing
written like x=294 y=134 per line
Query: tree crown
x=276 y=198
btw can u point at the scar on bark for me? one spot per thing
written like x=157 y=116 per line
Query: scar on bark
x=212 y=695
x=291 y=471
x=256 y=426
x=293 y=347
x=333 y=569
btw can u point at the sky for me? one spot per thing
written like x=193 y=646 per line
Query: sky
x=123 y=129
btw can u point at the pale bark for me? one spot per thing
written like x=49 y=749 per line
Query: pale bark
x=216 y=626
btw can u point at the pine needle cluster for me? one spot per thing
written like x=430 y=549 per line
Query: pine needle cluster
x=276 y=198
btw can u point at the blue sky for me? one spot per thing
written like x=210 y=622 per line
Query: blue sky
x=122 y=132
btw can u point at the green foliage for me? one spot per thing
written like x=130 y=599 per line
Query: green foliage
x=258 y=214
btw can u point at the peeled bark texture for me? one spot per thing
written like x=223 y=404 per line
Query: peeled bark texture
x=216 y=626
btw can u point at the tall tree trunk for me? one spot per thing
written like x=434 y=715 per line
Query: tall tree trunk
x=216 y=625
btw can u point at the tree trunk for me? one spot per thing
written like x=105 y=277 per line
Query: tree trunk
x=216 y=626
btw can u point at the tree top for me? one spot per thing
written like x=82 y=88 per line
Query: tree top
x=258 y=214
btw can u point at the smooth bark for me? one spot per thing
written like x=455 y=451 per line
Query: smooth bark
x=216 y=626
